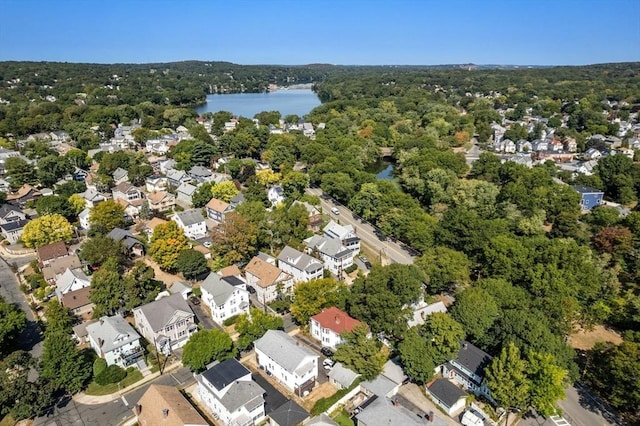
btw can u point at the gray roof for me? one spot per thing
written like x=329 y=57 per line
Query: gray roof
x=284 y=350
x=159 y=312
x=299 y=260
x=342 y=375
x=190 y=217
x=219 y=288
x=329 y=246
x=473 y=358
x=289 y=414
x=381 y=412
x=200 y=171
x=380 y=386
x=394 y=372
x=118 y=234
x=240 y=393
x=446 y=392
x=243 y=394
x=113 y=331
x=5 y=209
x=222 y=374
x=179 y=287
x=69 y=276
x=13 y=225
x=186 y=188
x=119 y=173
x=321 y=420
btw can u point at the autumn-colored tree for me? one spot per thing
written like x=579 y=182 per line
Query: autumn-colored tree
x=614 y=240
x=224 y=191
x=106 y=216
x=46 y=229
x=166 y=244
x=77 y=203
x=234 y=239
x=268 y=177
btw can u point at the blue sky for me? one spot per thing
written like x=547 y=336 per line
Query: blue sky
x=526 y=32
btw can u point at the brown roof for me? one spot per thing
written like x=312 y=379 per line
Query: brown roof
x=23 y=191
x=59 y=265
x=229 y=271
x=336 y=320
x=51 y=251
x=157 y=196
x=151 y=224
x=267 y=273
x=159 y=398
x=124 y=187
x=77 y=298
x=217 y=205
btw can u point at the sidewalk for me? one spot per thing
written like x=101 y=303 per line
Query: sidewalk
x=83 y=398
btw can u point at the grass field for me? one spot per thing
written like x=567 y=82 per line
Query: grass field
x=96 y=389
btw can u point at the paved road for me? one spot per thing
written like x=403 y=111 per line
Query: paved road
x=386 y=248
x=582 y=409
x=31 y=338
x=114 y=412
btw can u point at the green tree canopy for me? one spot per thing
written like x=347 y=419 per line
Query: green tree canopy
x=106 y=216
x=192 y=264
x=309 y=298
x=206 y=346
x=253 y=326
x=360 y=353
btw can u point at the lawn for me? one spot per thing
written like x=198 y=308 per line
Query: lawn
x=343 y=419
x=96 y=389
x=7 y=421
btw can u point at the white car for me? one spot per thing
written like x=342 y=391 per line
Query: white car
x=328 y=364
x=335 y=210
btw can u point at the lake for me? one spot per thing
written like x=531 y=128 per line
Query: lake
x=293 y=101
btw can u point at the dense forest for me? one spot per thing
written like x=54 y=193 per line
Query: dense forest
x=527 y=267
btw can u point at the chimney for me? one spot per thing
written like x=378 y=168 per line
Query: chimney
x=337 y=319
x=100 y=342
x=165 y=412
x=464 y=345
x=430 y=417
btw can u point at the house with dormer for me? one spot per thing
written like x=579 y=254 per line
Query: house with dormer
x=178 y=177
x=184 y=194
x=345 y=233
x=120 y=175
x=168 y=323
x=467 y=369
x=335 y=256
x=224 y=296
x=161 y=201
x=217 y=210
x=200 y=174
x=229 y=393
x=267 y=279
x=291 y=364
x=71 y=280
x=93 y=197
x=328 y=326
x=299 y=265
x=115 y=341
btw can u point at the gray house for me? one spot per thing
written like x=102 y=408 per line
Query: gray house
x=184 y=194
x=114 y=340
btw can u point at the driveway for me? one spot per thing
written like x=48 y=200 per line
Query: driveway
x=202 y=316
x=273 y=398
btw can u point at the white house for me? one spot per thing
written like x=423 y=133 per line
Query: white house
x=83 y=218
x=448 y=396
x=115 y=341
x=295 y=366
x=192 y=223
x=228 y=392
x=467 y=369
x=267 y=279
x=275 y=194
x=299 y=265
x=184 y=194
x=335 y=256
x=223 y=298
x=328 y=326
x=345 y=233
x=70 y=280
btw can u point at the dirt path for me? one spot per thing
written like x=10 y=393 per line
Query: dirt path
x=165 y=277
x=585 y=339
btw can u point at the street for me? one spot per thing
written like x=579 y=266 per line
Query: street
x=386 y=248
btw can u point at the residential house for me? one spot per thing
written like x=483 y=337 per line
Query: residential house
x=275 y=194
x=224 y=298
x=161 y=201
x=127 y=192
x=83 y=219
x=50 y=252
x=383 y=411
x=467 y=369
x=341 y=377
x=192 y=223
x=4 y=154
x=217 y=210
x=592 y=154
x=291 y=364
x=165 y=405
x=320 y=420
x=92 y=197
x=230 y=395
x=182 y=287
x=12 y=231
x=201 y=174
x=299 y=265
x=448 y=396
x=79 y=175
x=184 y=194
x=267 y=279
x=134 y=247
x=178 y=177
x=524 y=145
x=346 y=234
x=329 y=325
x=24 y=194
x=120 y=175
x=80 y=331
x=540 y=145
x=115 y=341
x=236 y=200
x=71 y=280
x=78 y=302
x=156 y=183
x=167 y=322
x=570 y=145
x=315 y=217
x=335 y=256
x=388 y=382
x=150 y=225
x=52 y=271
x=158 y=146
x=590 y=197
x=166 y=166
x=421 y=310
x=288 y=414
x=10 y=213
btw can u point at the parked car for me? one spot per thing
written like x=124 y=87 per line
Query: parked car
x=194 y=300
x=328 y=364
x=335 y=210
x=251 y=289
x=366 y=262
x=326 y=352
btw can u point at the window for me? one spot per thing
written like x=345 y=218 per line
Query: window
x=169 y=327
x=182 y=333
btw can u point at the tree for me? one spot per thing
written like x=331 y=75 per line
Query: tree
x=309 y=298
x=360 y=353
x=107 y=289
x=58 y=317
x=62 y=363
x=54 y=204
x=234 y=239
x=417 y=356
x=548 y=382
x=206 y=346
x=475 y=321
x=20 y=172
x=294 y=183
x=202 y=195
x=444 y=269
x=140 y=285
x=224 y=191
x=12 y=321
x=106 y=216
x=444 y=333
x=254 y=325
x=192 y=264
x=98 y=249
x=46 y=229
x=167 y=242
x=76 y=204
x=507 y=380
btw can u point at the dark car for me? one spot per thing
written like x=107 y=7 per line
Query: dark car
x=326 y=352
x=251 y=289
x=194 y=300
